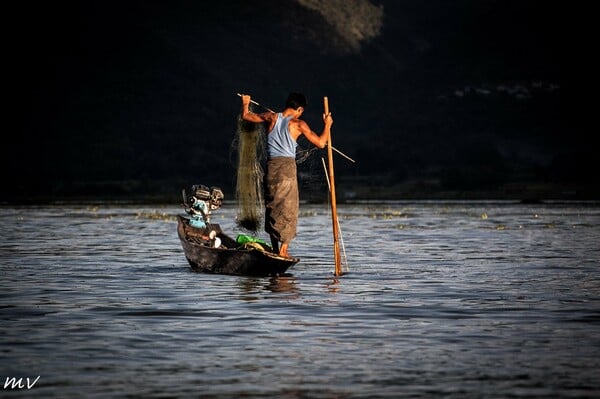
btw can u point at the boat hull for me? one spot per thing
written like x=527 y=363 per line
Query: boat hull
x=229 y=259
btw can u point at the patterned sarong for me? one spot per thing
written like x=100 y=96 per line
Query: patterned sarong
x=281 y=198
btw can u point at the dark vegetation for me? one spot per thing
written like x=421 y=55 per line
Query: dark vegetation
x=137 y=99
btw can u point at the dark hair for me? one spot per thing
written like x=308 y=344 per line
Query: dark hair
x=295 y=101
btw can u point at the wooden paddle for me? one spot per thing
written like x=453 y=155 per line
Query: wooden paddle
x=334 y=218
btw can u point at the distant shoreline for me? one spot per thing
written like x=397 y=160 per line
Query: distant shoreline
x=164 y=199
x=349 y=190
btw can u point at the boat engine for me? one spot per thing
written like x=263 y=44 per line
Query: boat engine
x=201 y=203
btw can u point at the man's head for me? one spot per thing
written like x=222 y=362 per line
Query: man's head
x=295 y=101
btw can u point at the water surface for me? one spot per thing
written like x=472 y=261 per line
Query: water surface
x=442 y=299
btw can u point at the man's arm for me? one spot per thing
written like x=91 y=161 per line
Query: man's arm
x=318 y=141
x=249 y=116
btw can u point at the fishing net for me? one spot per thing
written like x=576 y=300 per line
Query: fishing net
x=250 y=144
x=311 y=177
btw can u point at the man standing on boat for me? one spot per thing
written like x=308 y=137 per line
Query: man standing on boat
x=281 y=182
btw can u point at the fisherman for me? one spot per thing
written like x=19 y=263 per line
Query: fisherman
x=281 y=182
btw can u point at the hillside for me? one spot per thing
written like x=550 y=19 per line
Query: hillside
x=433 y=99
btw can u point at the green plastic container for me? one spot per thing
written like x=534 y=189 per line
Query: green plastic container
x=244 y=238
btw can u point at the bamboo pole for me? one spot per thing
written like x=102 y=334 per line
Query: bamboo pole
x=334 y=218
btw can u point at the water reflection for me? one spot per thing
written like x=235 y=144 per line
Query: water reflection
x=253 y=288
x=334 y=285
x=285 y=283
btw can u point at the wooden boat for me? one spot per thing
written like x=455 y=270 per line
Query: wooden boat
x=229 y=257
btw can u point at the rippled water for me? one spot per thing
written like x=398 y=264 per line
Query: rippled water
x=457 y=300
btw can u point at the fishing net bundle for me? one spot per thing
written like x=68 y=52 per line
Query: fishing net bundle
x=250 y=145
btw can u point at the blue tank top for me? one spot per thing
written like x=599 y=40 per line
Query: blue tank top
x=279 y=141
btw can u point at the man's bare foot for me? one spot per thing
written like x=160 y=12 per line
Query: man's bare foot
x=284 y=251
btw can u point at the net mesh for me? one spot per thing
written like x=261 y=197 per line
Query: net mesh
x=311 y=178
